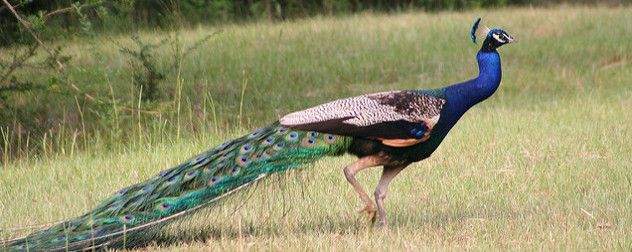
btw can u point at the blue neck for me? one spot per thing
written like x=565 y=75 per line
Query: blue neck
x=464 y=95
x=459 y=98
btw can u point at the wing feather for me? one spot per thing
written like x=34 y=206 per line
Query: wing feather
x=386 y=115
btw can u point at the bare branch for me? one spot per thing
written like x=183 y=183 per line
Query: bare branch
x=28 y=28
x=64 y=10
x=14 y=6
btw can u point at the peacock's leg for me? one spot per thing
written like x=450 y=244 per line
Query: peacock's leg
x=350 y=172
x=388 y=174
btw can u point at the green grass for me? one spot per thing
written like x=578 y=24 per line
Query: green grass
x=542 y=165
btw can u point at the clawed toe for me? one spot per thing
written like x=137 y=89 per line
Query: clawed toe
x=370 y=211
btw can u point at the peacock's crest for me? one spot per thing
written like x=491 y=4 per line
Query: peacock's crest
x=476 y=32
x=494 y=38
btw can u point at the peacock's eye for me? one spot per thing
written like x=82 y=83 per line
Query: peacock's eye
x=499 y=37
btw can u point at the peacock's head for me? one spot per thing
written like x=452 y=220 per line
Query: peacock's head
x=493 y=38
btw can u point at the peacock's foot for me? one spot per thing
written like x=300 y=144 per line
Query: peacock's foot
x=382 y=224
x=370 y=211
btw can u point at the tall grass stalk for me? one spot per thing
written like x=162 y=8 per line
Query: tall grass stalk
x=179 y=86
x=114 y=108
x=83 y=124
x=209 y=97
x=139 y=117
x=6 y=135
x=44 y=148
x=244 y=85
x=73 y=144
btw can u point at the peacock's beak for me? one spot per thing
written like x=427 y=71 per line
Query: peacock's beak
x=510 y=39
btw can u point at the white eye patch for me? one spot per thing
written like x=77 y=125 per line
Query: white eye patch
x=499 y=38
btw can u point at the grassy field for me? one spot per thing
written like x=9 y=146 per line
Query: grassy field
x=544 y=164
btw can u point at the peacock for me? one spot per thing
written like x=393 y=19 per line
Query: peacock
x=390 y=129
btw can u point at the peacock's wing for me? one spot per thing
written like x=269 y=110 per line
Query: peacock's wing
x=398 y=118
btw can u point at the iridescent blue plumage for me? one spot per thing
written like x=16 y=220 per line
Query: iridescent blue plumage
x=390 y=129
x=474 y=28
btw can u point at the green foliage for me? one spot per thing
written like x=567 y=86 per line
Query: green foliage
x=146 y=76
x=44 y=92
x=14 y=86
x=131 y=15
x=213 y=11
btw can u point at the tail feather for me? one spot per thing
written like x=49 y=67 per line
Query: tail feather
x=134 y=215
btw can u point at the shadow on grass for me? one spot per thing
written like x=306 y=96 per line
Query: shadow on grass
x=435 y=220
x=178 y=235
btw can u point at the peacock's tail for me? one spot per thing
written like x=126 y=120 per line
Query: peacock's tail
x=132 y=216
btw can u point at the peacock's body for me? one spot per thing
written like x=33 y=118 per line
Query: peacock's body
x=390 y=129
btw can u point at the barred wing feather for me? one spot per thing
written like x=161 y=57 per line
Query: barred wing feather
x=398 y=118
